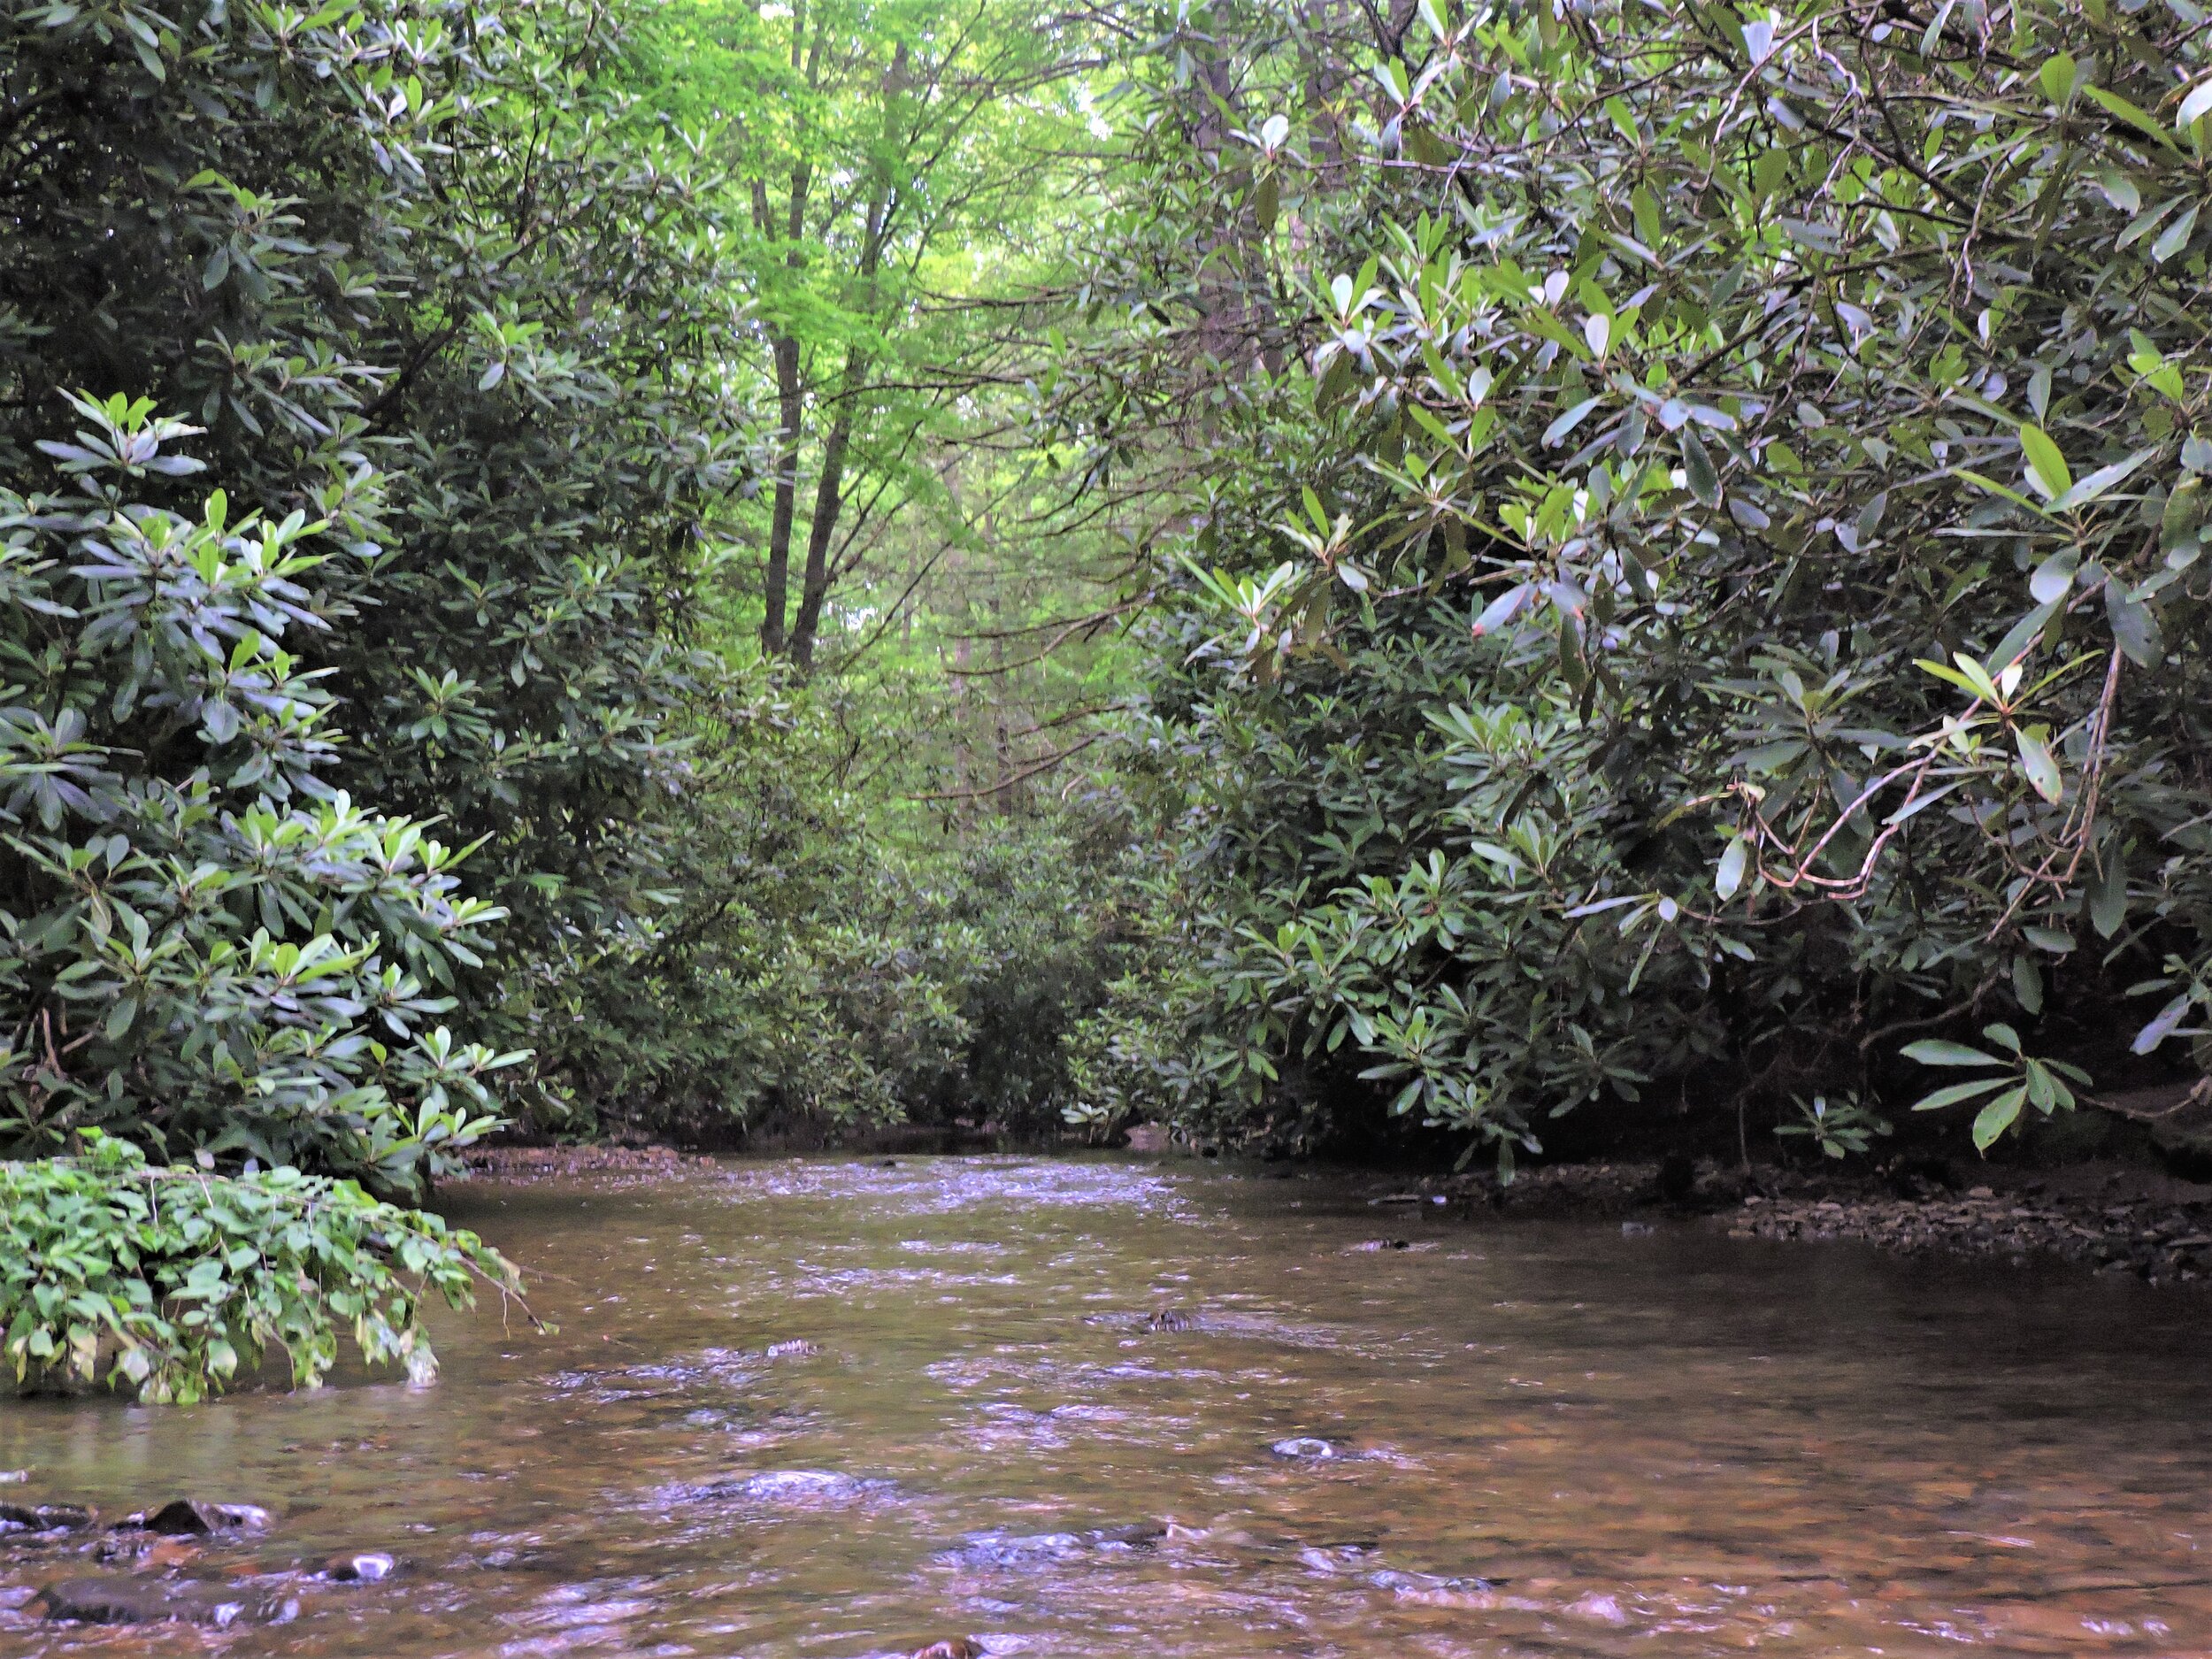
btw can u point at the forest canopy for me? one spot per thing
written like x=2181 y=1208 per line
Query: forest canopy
x=1455 y=577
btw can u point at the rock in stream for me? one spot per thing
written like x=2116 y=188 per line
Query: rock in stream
x=117 y=1599
x=43 y=1518
x=182 y=1516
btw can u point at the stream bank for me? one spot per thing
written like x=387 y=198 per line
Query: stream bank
x=2108 y=1217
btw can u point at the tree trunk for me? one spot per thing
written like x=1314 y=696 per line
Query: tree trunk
x=829 y=505
x=1219 y=306
x=829 y=490
x=784 y=351
x=790 y=412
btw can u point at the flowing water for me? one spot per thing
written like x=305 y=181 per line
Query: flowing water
x=1511 y=1438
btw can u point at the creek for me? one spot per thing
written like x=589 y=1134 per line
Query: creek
x=1507 y=1438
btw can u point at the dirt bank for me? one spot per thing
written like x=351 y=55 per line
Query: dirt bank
x=2108 y=1217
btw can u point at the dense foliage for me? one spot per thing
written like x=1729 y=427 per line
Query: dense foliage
x=180 y=1283
x=781 y=567
x=202 y=942
x=420 y=272
x=472 y=339
x=443 y=282
x=879 y=178
x=930 y=985
x=1699 y=581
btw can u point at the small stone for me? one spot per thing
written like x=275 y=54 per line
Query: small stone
x=42 y=1517
x=795 y=1486
x=1143 y=1535
x=368 y=1567
x=128 y=1601
x=182 y=1516
x=169 y=1552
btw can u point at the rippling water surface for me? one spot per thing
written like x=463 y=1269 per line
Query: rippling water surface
x=1511 y=1439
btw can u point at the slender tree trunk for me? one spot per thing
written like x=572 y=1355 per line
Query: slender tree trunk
x=790 y=412
x=963 y=805
x=829 y=506
x=1220 y=306
x=1000 y=689
x=829 y=490
x=784 y=351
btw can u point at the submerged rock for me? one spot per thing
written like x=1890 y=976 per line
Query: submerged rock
x=119 y=1599
x=779 y=1483
x=801 y=1487
x=1143 y=1535
x=368 y=1567
x=43 y=1518
x=1421 y=1583
x=1027 y=1550
x=181 y=1515
x=1303 y=1446
x=1008 y=1549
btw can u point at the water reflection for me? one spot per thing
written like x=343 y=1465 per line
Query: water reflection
x=1532 y=1439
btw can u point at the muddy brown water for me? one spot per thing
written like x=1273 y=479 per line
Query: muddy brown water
x=1542 y=1438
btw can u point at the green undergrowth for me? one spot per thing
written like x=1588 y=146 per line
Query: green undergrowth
x=178 y=1283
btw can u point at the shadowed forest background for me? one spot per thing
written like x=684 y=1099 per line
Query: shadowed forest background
x=1448 y=581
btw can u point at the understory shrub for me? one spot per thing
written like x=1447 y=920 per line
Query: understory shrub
x=177 y=1282
x=424 y=271
x=834 y=974
x=205 y=946
x=1700 y=596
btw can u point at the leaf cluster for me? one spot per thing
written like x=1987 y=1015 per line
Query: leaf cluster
x=179 y=1284
x=1795 y=416
x=205 y=945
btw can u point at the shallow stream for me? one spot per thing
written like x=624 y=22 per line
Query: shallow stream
x=1510 y=1438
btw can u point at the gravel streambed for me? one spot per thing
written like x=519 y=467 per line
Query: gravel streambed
x=2107 y=1216
x=2153 y=1237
